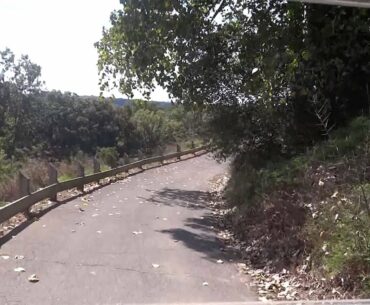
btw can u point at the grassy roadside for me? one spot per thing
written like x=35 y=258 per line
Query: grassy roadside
x=309 y=216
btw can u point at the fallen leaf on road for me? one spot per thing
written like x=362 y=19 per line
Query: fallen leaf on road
x=205 y=284
x=33 y=278
x=110 y=214
x=94 y=215
x=19 y=257
x=164 y=218
x=5 y=257
x=99 y=232
x=220 y=261
x=73 y=231
x=155 y=266
x=93 y=273
x=137 y=232
x=19 y=269
x=81 y=209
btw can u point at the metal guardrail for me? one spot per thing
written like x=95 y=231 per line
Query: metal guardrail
x=23 y=204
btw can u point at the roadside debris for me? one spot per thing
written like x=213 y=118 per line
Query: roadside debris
x=33 y=278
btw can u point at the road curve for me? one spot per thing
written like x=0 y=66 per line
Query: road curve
x=146 y=239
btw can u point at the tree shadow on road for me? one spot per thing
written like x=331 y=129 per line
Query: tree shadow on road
x=177 y=197
x=201 y=236
x=200 y=233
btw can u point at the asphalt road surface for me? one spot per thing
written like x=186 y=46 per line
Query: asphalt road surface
x=146 y=239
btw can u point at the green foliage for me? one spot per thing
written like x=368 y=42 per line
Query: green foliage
x=262 y=177
x=344 y=141
x=5 y=166
x=274 y=76
x=339 y=235
x=109 y=155
x=59 y=125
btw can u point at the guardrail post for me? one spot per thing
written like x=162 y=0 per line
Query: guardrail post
x=23 y=185
x=53 y=178
x=80 y=173
x=192 y=145
x=24 y=189
x=96 y=166
x=178 y=149
x=140 y=155
x=126 y=159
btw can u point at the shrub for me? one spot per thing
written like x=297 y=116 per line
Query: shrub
x=5 y=166
x=109 y=155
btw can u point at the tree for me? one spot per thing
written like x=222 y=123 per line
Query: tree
x=19 y=80
x=271 y=66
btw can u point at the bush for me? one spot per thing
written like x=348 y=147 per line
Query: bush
x=109 y=155
x=5 y=166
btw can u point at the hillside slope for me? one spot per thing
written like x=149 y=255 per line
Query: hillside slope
x=308 y=218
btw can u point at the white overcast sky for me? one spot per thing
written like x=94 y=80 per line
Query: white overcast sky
x=60 y=36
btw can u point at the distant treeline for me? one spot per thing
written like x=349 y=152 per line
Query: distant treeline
x=55 y=125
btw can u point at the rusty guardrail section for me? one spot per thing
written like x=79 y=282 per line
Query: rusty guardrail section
x=24 y=203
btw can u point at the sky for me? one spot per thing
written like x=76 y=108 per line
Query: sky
x=59 y=36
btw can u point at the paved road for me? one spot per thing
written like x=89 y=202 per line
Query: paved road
x=93 y=257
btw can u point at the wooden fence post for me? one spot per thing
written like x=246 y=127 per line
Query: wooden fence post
x=23 y=185
x=178 y=149
x=53 y=178
x=80 y=173
x=96 y=166
x=192 y=145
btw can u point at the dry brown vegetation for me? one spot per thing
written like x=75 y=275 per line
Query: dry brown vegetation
x=305 y=224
